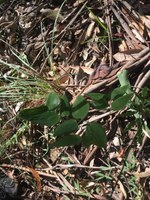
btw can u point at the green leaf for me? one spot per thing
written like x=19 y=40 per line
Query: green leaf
x=28 y=114
x=66 y=127
x=96 y=96
x=146 y=129
x=129 y=126
x=48 y=118
x=53 y=101
x=2 y=1
x=65 y=108
x=123 y=79
x=95 y=134
x=99 y=104
x=144 y=92
x=121 y=102
x=99 y=100
x=69 y=140
x=80 y=108
x=117 y=92
x=40 y=115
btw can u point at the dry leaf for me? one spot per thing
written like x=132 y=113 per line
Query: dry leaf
x=90 y=62
x=52 y=14
x=138 y=35
x=37 y=178
x=54 y=154
x=87 y=70
x=126 y=55
x=142 y=174
x=89 y=31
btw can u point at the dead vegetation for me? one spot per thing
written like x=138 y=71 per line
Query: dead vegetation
x=72 y=47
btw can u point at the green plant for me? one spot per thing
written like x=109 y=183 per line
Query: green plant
x=15 y=88
x=19 y=83
x=132 y=183
x=6 y=143
x=66 y=118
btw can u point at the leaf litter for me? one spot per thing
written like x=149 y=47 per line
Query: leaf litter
x=76 y=46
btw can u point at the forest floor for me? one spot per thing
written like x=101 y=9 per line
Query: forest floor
x=74 y=48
